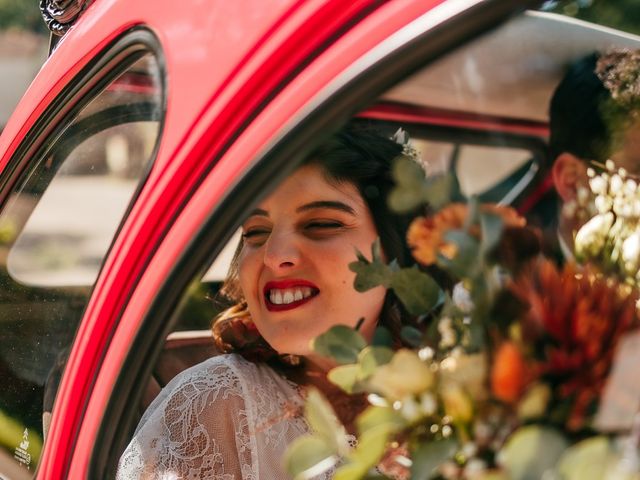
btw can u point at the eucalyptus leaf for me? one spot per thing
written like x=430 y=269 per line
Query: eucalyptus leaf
x=404 y=200
x=382 y=338
x=371 y=358
x=370 y=274
x=351 y=471
x=405 y=375
x=467 y=257
x=324 y=422
x=438 y=192
x=491 y=226
x=406 y=172
x=411 y=335
x=308 y=456
x=473 y=212
x=375 y=416
x=531 y=451
x=409 y=191
x=417 y=291
x=589 y=459
x=429 y=456
x=345 y=376
x=341 y=343
x=371 y=446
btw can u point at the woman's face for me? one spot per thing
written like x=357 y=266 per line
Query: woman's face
x=293 y=266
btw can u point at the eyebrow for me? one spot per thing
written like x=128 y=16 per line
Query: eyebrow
x=331 y=204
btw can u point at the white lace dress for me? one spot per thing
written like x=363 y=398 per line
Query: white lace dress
x=225 y=418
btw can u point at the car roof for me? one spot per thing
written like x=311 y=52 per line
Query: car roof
x=490 y=75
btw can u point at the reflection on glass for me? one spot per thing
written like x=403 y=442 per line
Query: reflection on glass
x=55 y=231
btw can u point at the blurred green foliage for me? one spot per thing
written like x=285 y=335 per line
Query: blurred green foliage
x=23 y=14
x=619 y=14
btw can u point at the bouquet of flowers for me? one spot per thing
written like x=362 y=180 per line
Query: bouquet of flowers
x=520 y=371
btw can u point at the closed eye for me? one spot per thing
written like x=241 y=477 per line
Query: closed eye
x=323 y=225
x=254 y=233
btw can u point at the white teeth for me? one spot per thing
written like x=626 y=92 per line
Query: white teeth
x=277 y=298
x=289 y=295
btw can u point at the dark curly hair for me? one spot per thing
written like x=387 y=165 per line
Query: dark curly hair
x=358 y=155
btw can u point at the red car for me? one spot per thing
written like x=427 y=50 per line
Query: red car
x=154 y=126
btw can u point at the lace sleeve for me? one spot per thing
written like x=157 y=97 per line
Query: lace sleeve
x=196 y=429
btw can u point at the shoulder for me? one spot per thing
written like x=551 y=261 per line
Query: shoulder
x=221 y=372
x=201 y=384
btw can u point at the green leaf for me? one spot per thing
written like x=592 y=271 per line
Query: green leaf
x=308 y=456
x=351 y=471
x=405 y=375
x=324 y=422
x=375 y=416
x=341 y=343
x=409 y=191
x=531 y=451
x=589 y=459
x=370 y=274
x=438 y=190
x=382 y=338
x=371 y=358
x=467 y=257
x=418 y=292
x=371 y=446
x=429 y=456
x=473 y=213
x=491 y=226
x=345 y=376
x=411 y=335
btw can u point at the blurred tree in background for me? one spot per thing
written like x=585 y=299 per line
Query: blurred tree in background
x=619 y=14
x=21 y=14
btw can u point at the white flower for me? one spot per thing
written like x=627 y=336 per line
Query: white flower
x=631 y=252
x=428 y=403
x=591 y=238
x=410 y=409
x=616 y=184
x=598 y=185
x=603 y=203
x=462 y=298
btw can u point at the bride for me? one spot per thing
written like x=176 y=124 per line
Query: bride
x=233 y=416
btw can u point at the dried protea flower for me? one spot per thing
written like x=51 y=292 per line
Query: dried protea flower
x=574 y=322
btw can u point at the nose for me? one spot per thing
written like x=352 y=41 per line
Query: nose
x=282 y=252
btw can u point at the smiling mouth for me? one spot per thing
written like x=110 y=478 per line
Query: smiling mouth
x=287 y=297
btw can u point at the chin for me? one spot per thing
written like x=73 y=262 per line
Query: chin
x=288 y=347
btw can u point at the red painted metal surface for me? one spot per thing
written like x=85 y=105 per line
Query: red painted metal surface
x=238 y=73
x=274 y=58
x=430 y=116
x=204 y=143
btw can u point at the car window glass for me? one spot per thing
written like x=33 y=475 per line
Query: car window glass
x=55 y=231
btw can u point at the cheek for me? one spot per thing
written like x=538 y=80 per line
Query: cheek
x=247 y=272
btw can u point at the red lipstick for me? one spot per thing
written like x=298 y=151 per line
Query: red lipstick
x=287 y=284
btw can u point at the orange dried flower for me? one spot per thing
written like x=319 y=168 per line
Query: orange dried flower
x=426 y=234
x=508 y=373
x=575 y=318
